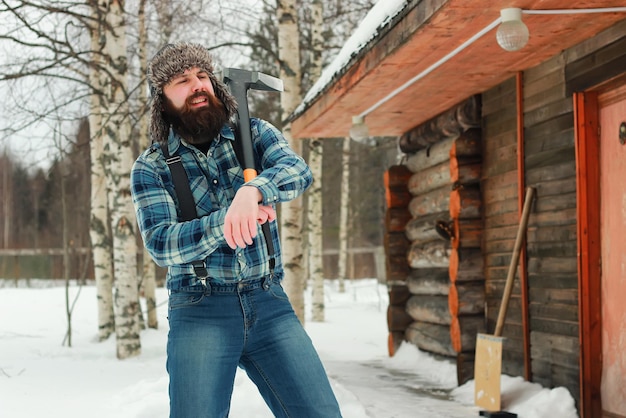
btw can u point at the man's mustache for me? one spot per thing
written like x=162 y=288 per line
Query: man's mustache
x=198 y=95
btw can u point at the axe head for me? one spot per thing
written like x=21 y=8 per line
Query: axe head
x=252 y=79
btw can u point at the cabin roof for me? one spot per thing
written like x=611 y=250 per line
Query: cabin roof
x=422 y=60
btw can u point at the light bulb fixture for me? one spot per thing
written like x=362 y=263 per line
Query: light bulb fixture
x=359 y=130
x=512 y=35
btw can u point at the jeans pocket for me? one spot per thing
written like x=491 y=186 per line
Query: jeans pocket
x=179 y=300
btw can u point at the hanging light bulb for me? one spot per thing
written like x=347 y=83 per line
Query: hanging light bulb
x=512 y=35
x=359 y=130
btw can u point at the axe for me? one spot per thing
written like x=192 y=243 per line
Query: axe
x=239 y=82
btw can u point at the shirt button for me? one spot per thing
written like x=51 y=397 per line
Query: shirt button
x=214 y=181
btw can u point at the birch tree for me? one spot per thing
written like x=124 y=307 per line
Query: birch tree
x=343 y=214
x=291 y=212
x=83 y=45
x=54 y=51
x=316 y=265
x=148 y=271
x=99 y=229
x=116 y=129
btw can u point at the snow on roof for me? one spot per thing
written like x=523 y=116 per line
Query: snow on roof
x=381 y=14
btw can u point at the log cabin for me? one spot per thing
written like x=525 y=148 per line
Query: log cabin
x=477 y=125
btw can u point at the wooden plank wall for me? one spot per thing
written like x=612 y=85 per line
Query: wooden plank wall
x=551 y=242
x=551 y=168
x=500 y=208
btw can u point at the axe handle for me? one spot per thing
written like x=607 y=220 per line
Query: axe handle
x=244 y=134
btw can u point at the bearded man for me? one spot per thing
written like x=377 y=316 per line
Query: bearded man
x=227 y=308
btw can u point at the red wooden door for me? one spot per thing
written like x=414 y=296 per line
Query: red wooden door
x=613 y=233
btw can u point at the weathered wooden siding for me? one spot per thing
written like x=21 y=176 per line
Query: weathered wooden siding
x=550 y=167
x=499 y=186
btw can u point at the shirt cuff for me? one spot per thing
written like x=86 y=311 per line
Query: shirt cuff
x=269 y=191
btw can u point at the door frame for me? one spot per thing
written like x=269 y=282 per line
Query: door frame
x=587 y=144
x=587 y=106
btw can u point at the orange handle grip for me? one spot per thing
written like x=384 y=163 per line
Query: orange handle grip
x=249 y=174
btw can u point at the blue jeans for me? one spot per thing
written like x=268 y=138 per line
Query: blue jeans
x=216 y=328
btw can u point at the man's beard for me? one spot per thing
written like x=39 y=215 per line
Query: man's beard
x=197 y=125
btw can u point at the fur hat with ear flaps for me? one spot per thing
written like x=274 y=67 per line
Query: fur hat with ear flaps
x=171 y=60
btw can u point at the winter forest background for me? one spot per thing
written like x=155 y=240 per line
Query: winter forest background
x=74 y=119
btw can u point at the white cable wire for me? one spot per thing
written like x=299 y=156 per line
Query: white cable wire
x=476 y=37
x=432 y=67
x=575 y=11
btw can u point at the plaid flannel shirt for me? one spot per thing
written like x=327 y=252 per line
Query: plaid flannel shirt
x=214 y=179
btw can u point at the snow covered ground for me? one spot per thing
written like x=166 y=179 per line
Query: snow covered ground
x=41 y=378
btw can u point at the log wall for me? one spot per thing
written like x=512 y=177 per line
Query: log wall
x=466 y=295
x=397 y=198
x=445 y=222
x=429 y=253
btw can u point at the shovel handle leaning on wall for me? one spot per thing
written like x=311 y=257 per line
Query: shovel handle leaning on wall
x=519 y=240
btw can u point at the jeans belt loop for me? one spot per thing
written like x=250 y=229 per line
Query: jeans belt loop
x=267 y=282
